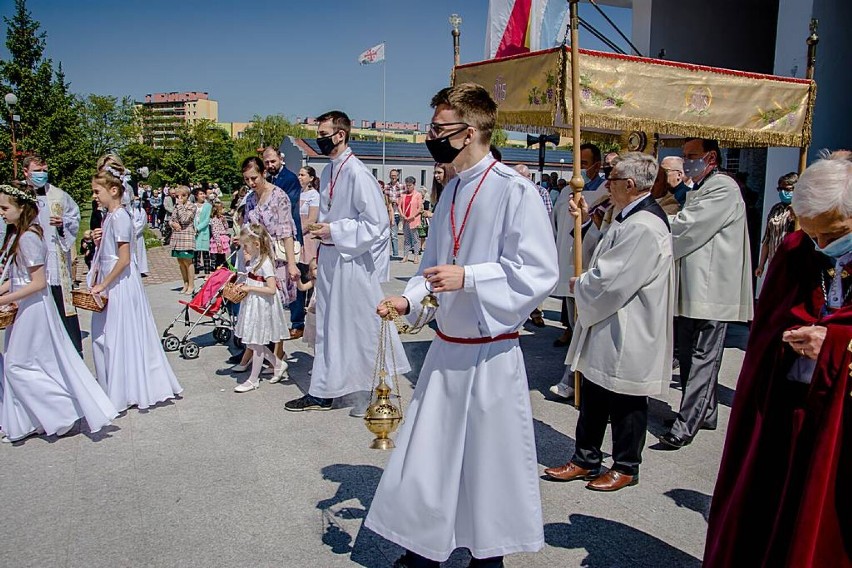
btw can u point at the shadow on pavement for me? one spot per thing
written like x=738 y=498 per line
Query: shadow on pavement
x=610 y=543
x=692 y=500
x=552 y=446
x=358 y=483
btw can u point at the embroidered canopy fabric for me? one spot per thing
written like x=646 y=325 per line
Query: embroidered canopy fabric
x=624 y=93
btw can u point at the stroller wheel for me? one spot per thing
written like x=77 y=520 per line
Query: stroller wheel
x=190 y=350
x=171 y=343
x=222 y=334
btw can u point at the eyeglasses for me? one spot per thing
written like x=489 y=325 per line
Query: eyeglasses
x=436 y=128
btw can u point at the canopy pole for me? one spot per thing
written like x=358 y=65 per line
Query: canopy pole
x=812 y=41
x=576 y=179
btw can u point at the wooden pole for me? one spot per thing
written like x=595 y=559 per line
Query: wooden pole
x=576 y=179
x=812 y=41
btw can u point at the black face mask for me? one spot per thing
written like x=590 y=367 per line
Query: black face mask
x=326 y=145
x=441 y=149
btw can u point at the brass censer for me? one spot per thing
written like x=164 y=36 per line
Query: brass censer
x=383 y=417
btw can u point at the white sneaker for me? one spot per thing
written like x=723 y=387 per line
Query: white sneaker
x=280 y=374
x=562 y=391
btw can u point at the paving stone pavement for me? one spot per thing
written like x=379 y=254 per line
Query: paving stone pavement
x=219 y=479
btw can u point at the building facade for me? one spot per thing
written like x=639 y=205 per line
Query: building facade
x=162 y=113
x=413 y=159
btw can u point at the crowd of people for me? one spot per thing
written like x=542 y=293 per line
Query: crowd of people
x=666 y=266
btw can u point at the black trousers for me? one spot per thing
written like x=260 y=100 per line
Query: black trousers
x=701 y=344
x=629 y=417
x=71 y=323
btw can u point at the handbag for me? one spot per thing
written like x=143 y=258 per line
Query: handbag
x=280 y=252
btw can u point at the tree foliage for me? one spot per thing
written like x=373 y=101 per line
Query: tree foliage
x=267 y=131
x=202 y=152
x=108 y=124
x=499 y=137
x=49 y=124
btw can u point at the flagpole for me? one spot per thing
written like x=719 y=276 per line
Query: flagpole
x=384 y=109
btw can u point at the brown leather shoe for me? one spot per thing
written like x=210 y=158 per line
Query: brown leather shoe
x=571 y=471
x=612 y=481
x=564 y=340
x=296 y=333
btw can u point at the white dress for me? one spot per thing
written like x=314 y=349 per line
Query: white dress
x=261 y=319
x=45 y=383
x=464 y=472
x=140 y=219
x=129 y=359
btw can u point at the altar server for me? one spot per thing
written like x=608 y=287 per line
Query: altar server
x=623 y=339
x=465 y=473
x=352 y=220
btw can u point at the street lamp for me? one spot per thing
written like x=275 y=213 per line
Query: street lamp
x=561 y=165
x=11 y=100
x=455 y=22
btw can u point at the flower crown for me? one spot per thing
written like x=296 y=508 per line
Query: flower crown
x=18 y=194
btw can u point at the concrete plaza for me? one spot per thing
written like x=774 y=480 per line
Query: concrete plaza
x=219 y=479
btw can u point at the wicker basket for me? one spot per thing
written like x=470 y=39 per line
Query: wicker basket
x=233 y=293
x=7 y=316
x=85 y=300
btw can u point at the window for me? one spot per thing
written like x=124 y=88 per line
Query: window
x=376 y=173
x=423 y=177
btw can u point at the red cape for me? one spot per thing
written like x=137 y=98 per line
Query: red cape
x=784 y=492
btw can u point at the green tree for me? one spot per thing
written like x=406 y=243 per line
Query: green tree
x=49 y=122
x=202 y=152
x=108 y=124
x=267 y=131
x=499 y=137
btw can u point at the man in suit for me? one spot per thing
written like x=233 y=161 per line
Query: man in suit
x=287 y=180
x=623 y=336
x=710 y=240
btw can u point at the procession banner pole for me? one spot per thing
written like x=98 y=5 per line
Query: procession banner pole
x=576 y=179
x=812 y=40
x=384 y=110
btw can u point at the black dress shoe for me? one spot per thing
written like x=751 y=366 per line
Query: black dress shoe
x=673 y=441
x=235 y=359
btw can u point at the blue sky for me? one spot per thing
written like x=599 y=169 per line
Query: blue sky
x=293 y=57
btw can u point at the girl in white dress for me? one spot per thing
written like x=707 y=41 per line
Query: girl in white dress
x=46 y=386
x=261 y=319
x=129 y=359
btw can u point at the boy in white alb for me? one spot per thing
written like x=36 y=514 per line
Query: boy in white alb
x=352 y=220
x=465 y=473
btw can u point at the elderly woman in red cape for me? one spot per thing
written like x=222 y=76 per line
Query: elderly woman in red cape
x=784 y=492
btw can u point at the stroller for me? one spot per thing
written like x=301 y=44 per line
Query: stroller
x=208 y=303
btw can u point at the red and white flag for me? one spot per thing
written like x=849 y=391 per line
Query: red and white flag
x=520 y=26
x=375 y=54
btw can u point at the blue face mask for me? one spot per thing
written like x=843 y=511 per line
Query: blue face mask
x=786 y=197
x=39 y=179
x=838 y=248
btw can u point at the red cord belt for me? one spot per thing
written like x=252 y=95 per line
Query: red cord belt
x=477 y=340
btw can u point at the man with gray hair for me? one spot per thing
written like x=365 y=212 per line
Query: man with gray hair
x=623 y=336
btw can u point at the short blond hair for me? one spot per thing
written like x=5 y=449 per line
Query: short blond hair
x=473 y=104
